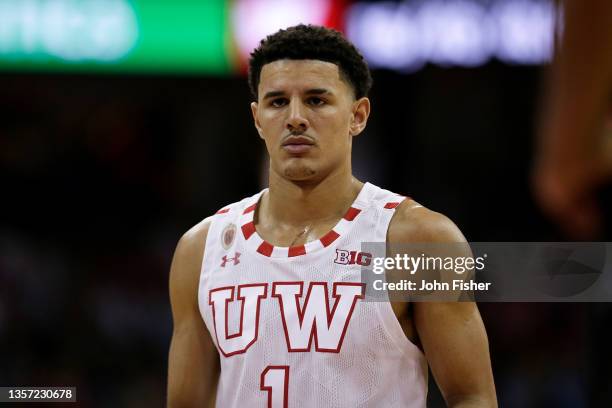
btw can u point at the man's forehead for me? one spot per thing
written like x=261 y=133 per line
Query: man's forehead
x=306 y=73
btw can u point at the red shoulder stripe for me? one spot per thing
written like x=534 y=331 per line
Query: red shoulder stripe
x=351 y=213
x=250 y=208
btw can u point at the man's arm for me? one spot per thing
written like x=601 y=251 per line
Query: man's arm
x=193 y=361
x=574 y=152
x=452 y=333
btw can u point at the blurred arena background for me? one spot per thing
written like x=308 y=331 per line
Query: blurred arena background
x=125 y=122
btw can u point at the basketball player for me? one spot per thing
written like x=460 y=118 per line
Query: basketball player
x=266 y=288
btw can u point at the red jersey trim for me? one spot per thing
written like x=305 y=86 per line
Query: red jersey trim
x=265 y=248
x=328 y=238
x=393 y=204
x=250 y=208
x=297 y=250
x=351 y=213
x=248 y=229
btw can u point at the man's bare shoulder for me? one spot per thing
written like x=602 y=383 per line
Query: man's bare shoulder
x=189 y=253
x=414 y=223
x=194 y=238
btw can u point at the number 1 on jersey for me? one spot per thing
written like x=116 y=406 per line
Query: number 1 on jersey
x=275 y=380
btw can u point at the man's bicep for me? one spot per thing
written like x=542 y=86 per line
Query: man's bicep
x=455 y=343
x=193 y=360
x=193 y=366
x=452 y=333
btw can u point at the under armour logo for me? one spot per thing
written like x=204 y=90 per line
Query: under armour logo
x=235 y=259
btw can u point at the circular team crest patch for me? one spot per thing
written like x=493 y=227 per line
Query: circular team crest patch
x=228 y=235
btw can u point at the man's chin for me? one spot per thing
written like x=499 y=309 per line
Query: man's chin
x=299 y=173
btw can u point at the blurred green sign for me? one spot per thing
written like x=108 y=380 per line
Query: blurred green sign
x=181 y=36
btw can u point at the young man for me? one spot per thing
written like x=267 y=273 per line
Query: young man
x=258 y=287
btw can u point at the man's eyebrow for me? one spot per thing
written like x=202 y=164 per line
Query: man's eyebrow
x=272 y=94
x=314 y=91
x=317 y=91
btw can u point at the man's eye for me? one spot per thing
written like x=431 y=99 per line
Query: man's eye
x=315 y=101
x=277 y=103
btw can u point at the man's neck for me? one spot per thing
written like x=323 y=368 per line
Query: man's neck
x=304 y=204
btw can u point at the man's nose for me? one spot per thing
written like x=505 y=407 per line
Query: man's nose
x=296 y=121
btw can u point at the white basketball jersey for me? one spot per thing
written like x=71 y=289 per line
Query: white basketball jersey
x=291 y=325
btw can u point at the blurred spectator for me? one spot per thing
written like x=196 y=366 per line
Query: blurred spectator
x=575 y=133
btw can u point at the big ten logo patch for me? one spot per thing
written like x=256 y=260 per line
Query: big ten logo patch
x=344 y=257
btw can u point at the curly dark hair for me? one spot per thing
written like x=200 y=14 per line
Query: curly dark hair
x=312 y=42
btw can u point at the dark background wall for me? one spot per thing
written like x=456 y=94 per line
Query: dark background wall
x=101 y=175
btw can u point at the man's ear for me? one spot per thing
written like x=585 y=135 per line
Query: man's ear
x=361 y=112
x=254 y=107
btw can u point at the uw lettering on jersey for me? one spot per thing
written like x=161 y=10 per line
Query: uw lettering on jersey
x=291 y=324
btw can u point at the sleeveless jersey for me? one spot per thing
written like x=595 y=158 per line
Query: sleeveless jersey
x=291 y=324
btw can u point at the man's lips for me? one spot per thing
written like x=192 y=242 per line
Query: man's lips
x=297 y=144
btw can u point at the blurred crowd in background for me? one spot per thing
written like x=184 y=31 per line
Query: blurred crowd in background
x=101 y=174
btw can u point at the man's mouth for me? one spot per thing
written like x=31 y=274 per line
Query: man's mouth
x=297 y=144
